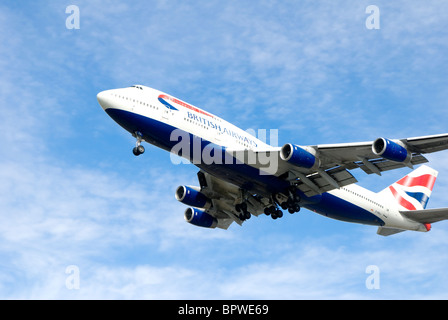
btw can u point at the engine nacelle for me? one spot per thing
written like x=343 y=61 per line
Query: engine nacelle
x=391 y=150
x=300 y=157
x=192 y=197
x=200 y=218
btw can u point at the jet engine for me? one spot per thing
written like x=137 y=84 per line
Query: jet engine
x=391 y=150
x=200 y=218
x=192 y=197
x=299 y=156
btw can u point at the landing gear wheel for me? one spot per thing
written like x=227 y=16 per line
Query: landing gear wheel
x=293 y=202
x=278 y=213
x=138 y=150
x=295 y=207
x=244 y=216
x=242 y=209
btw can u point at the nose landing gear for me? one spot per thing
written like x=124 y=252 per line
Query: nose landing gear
x=138 y=149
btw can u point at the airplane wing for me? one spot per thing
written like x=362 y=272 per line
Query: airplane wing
x=224 y=196
x=427 y=215
x=321 y=168
x=354 y=155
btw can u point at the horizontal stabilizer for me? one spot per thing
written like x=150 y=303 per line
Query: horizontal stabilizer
x=382 y=231
x=427 y=216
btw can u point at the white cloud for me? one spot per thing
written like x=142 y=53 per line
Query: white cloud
x=312 y=270
x=55 y=216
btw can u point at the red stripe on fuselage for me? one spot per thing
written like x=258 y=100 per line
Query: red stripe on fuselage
x=183 y=104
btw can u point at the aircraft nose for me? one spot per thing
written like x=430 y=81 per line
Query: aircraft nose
x=102 y=98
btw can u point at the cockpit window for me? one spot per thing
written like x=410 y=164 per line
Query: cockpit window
x=138 y=87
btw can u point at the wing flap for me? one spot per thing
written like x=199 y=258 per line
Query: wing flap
x=319 y=182
x=386 y=165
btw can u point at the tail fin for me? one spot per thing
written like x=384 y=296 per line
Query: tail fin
x=413 y=191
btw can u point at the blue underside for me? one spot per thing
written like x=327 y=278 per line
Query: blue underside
x=242 y=175
x=336 y=208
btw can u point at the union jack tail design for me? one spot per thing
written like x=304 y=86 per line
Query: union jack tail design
x=413 y=191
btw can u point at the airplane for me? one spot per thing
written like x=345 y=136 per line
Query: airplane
x=241 y=176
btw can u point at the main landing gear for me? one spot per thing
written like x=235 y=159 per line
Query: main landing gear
x=292 y=204
x=138 y=149
x=274 y=212
x=242 y=209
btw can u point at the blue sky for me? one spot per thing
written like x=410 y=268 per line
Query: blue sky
x=72 y=193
